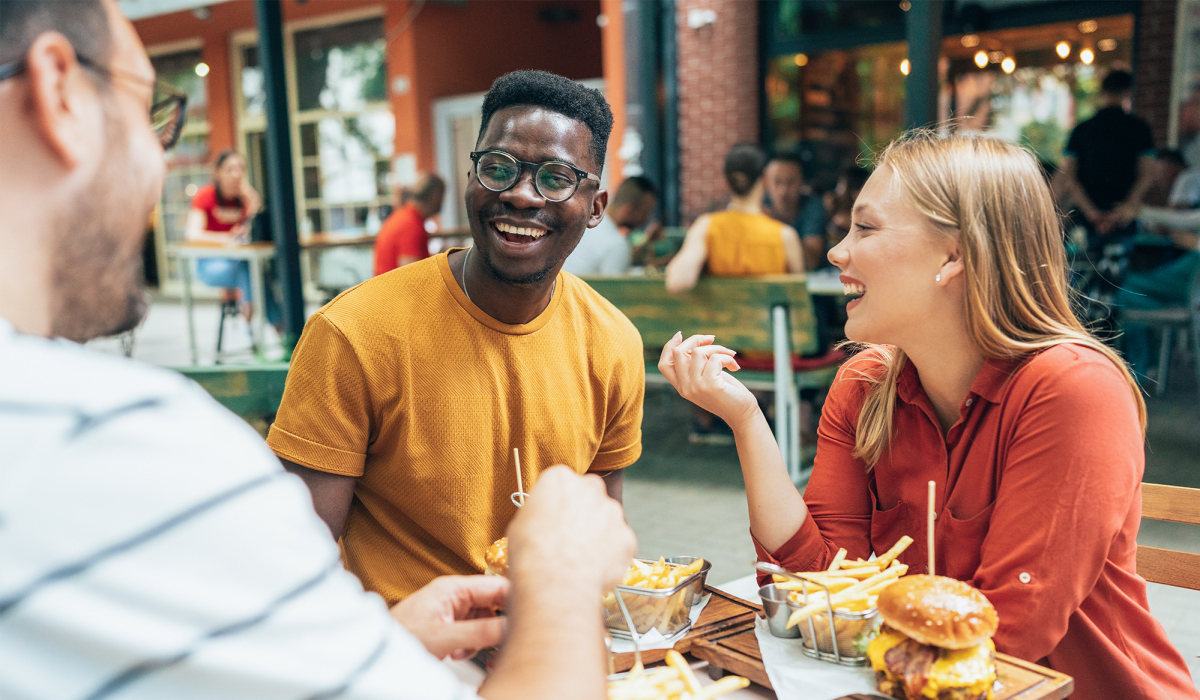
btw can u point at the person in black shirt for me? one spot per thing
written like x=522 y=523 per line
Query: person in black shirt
x=1108 y=165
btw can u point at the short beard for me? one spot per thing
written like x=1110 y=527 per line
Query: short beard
x=96 y=268
x=529 y=280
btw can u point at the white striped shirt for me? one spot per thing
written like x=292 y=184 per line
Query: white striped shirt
x=151 y=546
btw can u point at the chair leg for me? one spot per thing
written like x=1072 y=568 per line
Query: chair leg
x=1164 y=361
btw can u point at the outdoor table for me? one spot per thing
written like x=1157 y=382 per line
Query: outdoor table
x=253 y=253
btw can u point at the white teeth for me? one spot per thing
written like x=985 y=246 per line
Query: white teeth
x=531 y=232
x=853 y=289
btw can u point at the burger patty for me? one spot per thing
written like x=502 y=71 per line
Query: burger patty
x=908 y=665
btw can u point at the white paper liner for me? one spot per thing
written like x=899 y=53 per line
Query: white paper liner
x=795 y=676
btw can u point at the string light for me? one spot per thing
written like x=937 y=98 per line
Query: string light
x=904 y=66
x=801 y=60
x=1087 y=56
x=1088 y=26
x=1107 y=44
x=970 y=41
x=201 y=69
x=981 y=59
x=1008 y=65
x=1063 y=49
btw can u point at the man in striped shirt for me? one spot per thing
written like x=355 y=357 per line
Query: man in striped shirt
x=151 y=546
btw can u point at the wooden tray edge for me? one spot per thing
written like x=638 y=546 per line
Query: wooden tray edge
x=731 y=661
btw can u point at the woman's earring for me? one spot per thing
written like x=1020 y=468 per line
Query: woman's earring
x=938 y=278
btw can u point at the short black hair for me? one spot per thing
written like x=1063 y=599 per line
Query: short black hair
x=789 y=157
x=744 y=165
x=563 y=95
x=1117 y=82
x=1171 y=155
x=631 y=190
x=83 y=22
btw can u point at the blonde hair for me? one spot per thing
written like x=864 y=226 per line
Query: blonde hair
x=990 y=195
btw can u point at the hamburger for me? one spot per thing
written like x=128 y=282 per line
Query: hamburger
x=935 y=642
x=497 y=558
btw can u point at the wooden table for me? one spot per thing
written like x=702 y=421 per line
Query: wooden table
x=724 y=637
x=253 y=253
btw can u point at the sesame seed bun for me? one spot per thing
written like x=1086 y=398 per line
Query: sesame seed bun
x=938 y=611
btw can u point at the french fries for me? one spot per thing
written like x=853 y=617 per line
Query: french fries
x=848 y=586
x=667 y=614
x=659 y=575
x=675 y=681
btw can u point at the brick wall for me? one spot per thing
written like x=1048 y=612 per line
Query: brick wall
x=718 y=97
x=1154 y=65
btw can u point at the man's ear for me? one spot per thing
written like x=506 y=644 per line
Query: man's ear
x=58 y=95
x=599 y=204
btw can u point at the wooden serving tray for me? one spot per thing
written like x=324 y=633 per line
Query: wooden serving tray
x=735 y=650
x=722 y=613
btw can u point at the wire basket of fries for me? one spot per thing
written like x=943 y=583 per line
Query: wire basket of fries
x=658 y=596
x=835 y=609
x=696 y=590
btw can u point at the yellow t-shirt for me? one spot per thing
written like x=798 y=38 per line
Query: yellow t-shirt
x=741 y=244
x=407 y=385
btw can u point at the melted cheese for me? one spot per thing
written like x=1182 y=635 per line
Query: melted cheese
x=953 y=669
x=964 y=668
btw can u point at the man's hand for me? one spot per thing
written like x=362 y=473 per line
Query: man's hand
x=695 y=368
x=455 y=615
x=569 y=527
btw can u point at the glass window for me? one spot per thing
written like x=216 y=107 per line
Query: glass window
x=188 y=163
x=345 y=126
x=1030 y=85
x=341 y=68
x=834 y=106
x=253 y=83
x=797 y=17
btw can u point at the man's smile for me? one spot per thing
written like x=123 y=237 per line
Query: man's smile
x=519 y=233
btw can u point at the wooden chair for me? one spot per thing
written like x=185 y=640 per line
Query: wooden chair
x=1184 y=318
x=1166 y=566
x=772 y=314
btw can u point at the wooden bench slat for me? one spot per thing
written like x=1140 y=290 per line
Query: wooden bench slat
x=1171 y=503
x=735 y=309
x=1166 y=566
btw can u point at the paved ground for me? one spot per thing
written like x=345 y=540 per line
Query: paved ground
x=685 y=499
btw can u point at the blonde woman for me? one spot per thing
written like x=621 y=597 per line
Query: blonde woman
x=978 y=377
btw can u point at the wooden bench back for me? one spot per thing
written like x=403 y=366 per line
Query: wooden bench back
x=1177 y=505
x=735 y=309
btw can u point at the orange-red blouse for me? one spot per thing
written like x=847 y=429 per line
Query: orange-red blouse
x=1038 y=504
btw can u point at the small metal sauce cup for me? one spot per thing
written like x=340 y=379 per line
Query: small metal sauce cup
x=775 y=605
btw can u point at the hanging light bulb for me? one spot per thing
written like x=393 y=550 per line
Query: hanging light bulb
x=201 y=69
x=970 y=40
x=1008 y=65
x=801 y=60
x=904 y=66
x=981 y=59
x=1087 y=56
x=1063 y=49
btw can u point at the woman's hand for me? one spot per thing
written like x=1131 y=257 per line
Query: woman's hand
x=694 y=367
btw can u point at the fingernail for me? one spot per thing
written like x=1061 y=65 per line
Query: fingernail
x=678 y=334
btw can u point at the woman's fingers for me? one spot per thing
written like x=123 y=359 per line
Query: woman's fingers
x=666 y=364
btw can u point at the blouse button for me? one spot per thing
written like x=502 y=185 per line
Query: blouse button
x=970 y=401
x=1025 y=577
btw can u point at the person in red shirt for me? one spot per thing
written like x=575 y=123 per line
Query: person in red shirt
x=402 y=239
x=221 y=212
x=976 y=376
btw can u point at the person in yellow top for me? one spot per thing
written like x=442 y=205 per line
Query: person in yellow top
x=742 y=240
x=407 y=394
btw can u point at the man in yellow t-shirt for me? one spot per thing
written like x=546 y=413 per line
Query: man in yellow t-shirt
x=407 y=394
